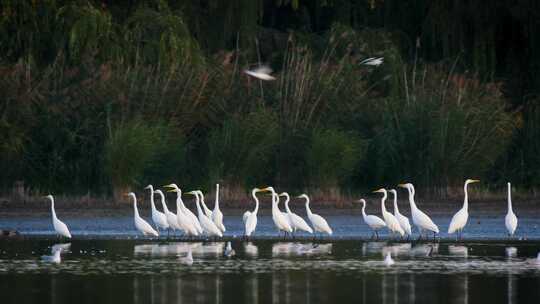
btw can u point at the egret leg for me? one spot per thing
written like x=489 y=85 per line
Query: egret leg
x=377 y=234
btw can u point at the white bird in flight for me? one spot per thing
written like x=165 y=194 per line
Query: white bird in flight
x=58 y=225
x=510 y=220
x=403 y=220
x=140 y=223
x=158 y=217
x=372 y=61
x=374 y=222
x=261 y=72
x=459 y=220
x=391 y=221
x=421 y=220
x=318 y=222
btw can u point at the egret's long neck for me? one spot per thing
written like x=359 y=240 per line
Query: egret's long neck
x=180 y=201
x=510 y=198
x=165 y=209
x=411 y=198
x=216 y=205
x=383 y=207
x=135 y=207
x=396 y=209
x=287 y=204
x=275 y=201
x=52 y=208
x=152 y=200
x=307 y=207
x=206 y=210
x=256 y=202
x=466 y=199
x=197 y=201
x=364 y=210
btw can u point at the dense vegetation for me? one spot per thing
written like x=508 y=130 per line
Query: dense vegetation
x=101 y=96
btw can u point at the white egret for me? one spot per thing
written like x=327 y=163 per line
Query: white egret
x=510 y=220
x=374 y=222
x=511 y=251
x=459 y=220
x=187 y=259
x=206 y=210
x=140 y=223
x=388 y=261
x=185 y=210
x=183 y=220
x=250 y=218
x=54 y=258
x=206 y=223
x=296 y=222
x=280 y=221
x=403 y=220
x=391 y=221
x=217 y=215
x=373 y=61
x=58 y=225
x=172 y=219
x=261 y=72
x=229 y=252
x=158 y=217
x=419 y=218
x=318 y=222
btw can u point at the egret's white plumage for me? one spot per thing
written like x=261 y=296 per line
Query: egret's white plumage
x=172 y=219
x=184 y=221
x=374 y=222
x=402 y=219
x=391 y=221
x=206 y=210
x=158 y=217
x=318 y=222
x=250 y=218
x=54 y=258
x=59 y=226
x=140 y=223
x=296 y=222
x=229 y=252
x=217 y=215
x=261 y=72
x=206 y=223
x=510 y=220
x=459 y=220
x=280 y=220
x=187 y=259
x=421 y=220
x=185 y=210
x=388 y=261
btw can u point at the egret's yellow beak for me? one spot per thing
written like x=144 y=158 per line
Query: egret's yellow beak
x=378 y=191
x=402 y=185
x=169 y=186
x=190 y=192
x=265 y=189
x=475 y=181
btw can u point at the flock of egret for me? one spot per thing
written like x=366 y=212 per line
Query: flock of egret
x=209 y=222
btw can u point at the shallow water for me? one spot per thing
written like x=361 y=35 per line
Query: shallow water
x=344 y=226
x=142 y=271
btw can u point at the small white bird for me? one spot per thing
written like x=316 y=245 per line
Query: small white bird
x=187 y=259
x=158 y=217
x=206 y=223
x=217 y=215
x=403 y=220
x=318 y=222
x=172 y=219
x=185 y=210
x=250 y=218
x=373 y=61
x=510 y=220
x=374 y=222
x=261 y=72
x=388 y=261
x=280 y=221
x=140 y=223
x=420 y=219
x=391 y=221
x=511 y=251
x=229 y=252
x=58 y=225
x=459 y=220
x=296 y=222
